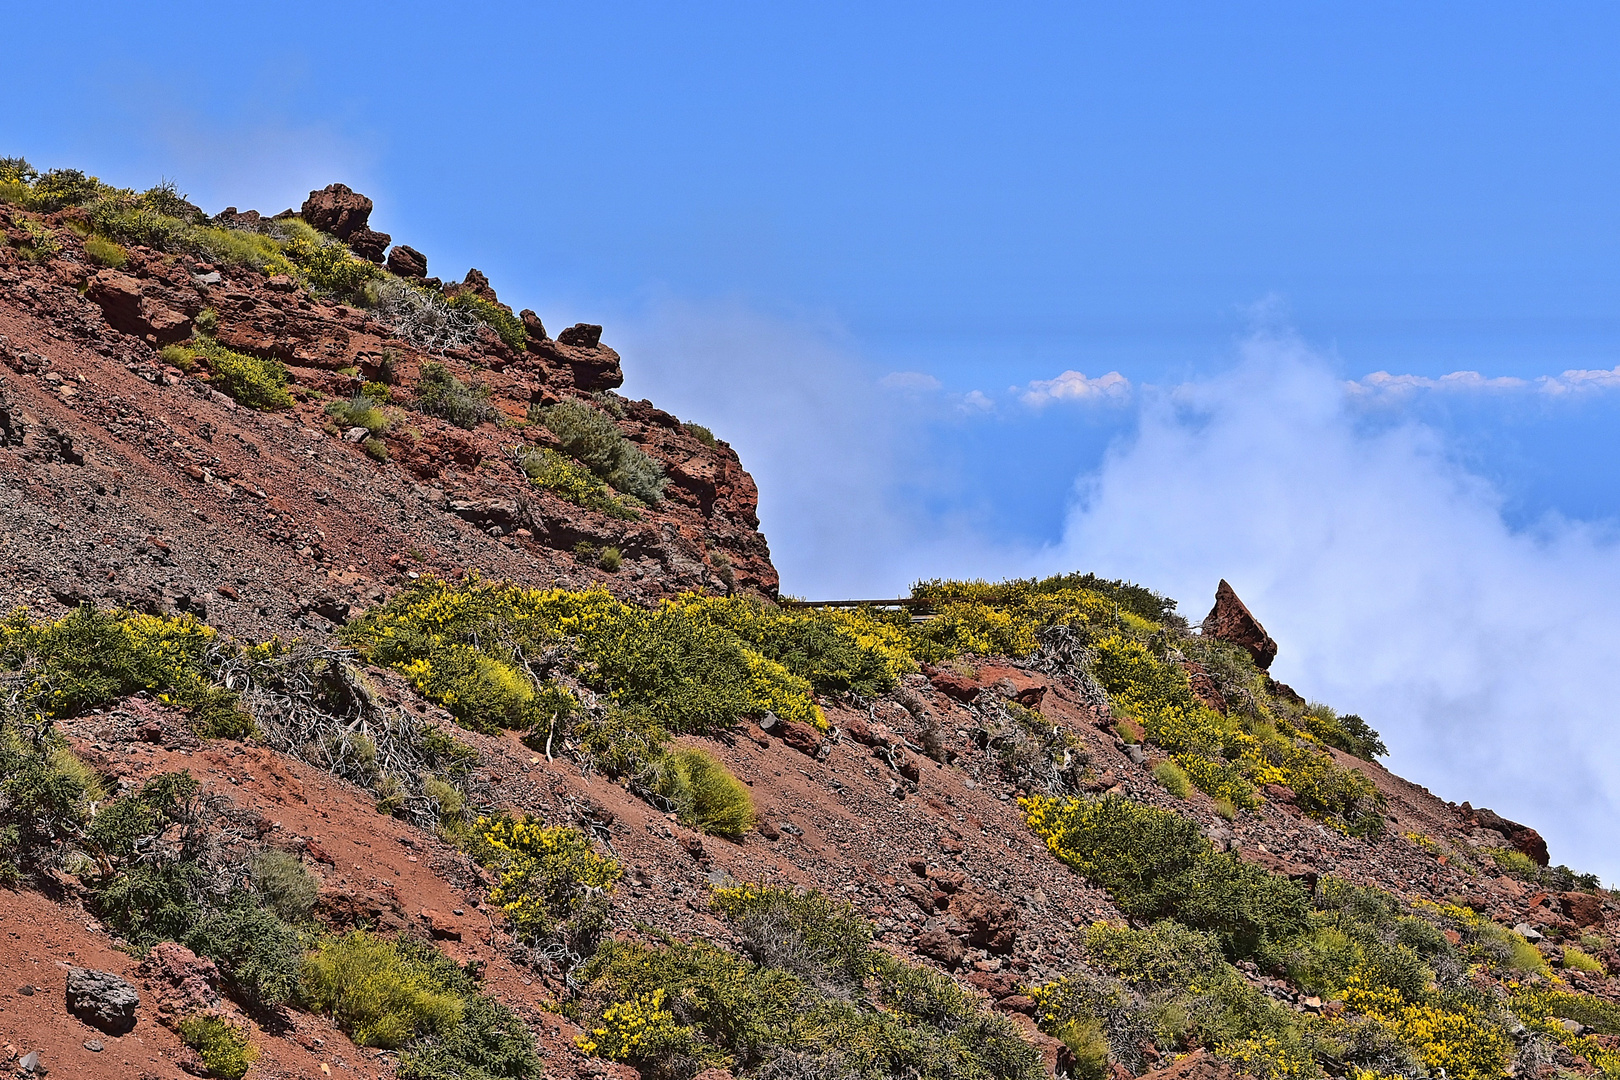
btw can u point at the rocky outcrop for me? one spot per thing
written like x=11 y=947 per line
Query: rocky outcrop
x=1522 y=837
x=369 y=244
x=337 y=209
x=1230 y=621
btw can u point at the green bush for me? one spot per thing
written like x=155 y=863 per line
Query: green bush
x=609 y=560
x=284 y=884
x=441 y=394
x=152 y=902
x=359 y=411
x=1157 y=865
x=258 y=954
x=1172 y=779
x=1577 y=960
x=104 y=252
x=507 y=326
x=569 y=480
x=597 y=443
x=223 y=1047
x=375 y=449
x=46 y=795
x=490 y=1042
x=553 y=885
x=700 y=433
x=60 y=188
x=1515 y=862
x=377 y=993
x=705 y=795
x=330 y=267
x=682 y=1007
x=821 y=940
x=252 y=381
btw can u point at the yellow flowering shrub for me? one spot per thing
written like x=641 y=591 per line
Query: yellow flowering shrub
x=1466 y=1046
x=88 y=658
x=552 y=883
x=635 y=1030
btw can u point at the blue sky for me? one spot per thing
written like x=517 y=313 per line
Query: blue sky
x=895 y=252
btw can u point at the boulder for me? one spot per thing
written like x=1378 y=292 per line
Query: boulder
x=532 y=323
x=369 y=244
x=1229 y=620
x=938 y=945
x=1583 y=909
x=476 y=283
x=987 y=922
x=337 y=209
x=407 y=262
x=582 y=335
x=441 y=926
x=128 y=310
x=802 y=737
x=181 y=981
x=102 y=1000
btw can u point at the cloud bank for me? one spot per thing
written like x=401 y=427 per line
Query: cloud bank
x=1387 y=574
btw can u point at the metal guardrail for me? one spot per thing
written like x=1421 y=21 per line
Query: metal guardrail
x=921 y=610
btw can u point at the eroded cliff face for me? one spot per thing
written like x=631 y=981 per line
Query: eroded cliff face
x=129 y=481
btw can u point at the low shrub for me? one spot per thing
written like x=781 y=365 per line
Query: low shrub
x=507 y=326
x=1172 y=779
x=46 y=797
x=567 y=479
x=359 y=411
x=705 y=795
x=253 y=381
x=375 y=449
x=88 y=658
x=596 y=442
x=553 y=886
x=700 y=433
x=1156 y=864
x=377 y=993
x=1517 y=863
x=223 y=1048
x=1577 y=960
x=258 y=954
x=330 y=267
x=676 y=1009
x=284 y=884
x=104 y=252
x=441 y=394
x=609 y=560
x=819 y=939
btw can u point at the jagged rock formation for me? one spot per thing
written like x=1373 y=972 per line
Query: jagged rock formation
x=1229 y=620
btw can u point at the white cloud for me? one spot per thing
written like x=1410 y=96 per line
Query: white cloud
x=916 y=382
x=975 y=401
x=1388 y=575
x=849 y=490
x=1573 y=381
x=1074 y=386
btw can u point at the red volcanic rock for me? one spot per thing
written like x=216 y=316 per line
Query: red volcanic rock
x=1204 y=687
x=955 y=684
x=369 y=244
x=531 y=322
x=407 y=262
x=1229 y=620
x=124 y=302
x=802 y=737
x=181 y=981
x=337 y=209
x=1522 y=837
x=1583 y=909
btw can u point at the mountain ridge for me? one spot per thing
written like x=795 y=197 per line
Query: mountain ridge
x=364 y=520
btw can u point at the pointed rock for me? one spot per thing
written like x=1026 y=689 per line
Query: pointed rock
x=1229 y=620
